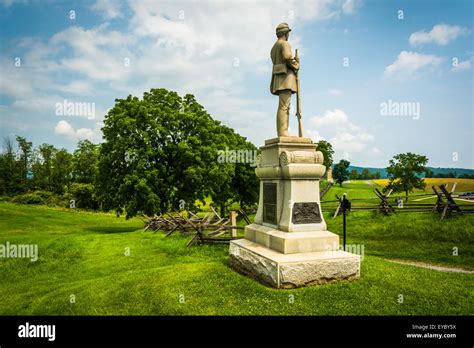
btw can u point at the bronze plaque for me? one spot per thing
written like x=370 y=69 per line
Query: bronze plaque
x=306 y=213
x=270 y=203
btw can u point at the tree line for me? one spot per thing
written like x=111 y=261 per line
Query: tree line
x=24 y=168
x=430 y=174
x=365 y=174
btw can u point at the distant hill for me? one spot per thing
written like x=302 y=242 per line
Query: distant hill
x=458 y=171
x=383 y=171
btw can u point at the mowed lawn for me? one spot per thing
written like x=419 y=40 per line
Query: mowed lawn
x=82 y=256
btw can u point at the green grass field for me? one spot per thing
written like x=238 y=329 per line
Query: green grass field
x=83 y=254
x=409 y=236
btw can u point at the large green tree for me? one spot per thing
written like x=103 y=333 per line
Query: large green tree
x=61 y=171
x=354 y=174
x=429 y=173
x=3 y=175
x=10 y=178
x=42 y=167
x=85 y=162
x=51 y=169
x=244 y=183
x=340 y=172
x=326 y=148
x=405 y=171
x=160 y=154
x=365 y=174
x=26 y=149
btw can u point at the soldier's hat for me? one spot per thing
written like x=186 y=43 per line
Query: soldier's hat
x=282 y=29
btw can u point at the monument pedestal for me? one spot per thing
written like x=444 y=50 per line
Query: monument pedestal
x=288 y=244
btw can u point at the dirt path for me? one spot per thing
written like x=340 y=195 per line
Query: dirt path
x=431 y=266
x=464 y=200
x=422 y=199
x=431 y=197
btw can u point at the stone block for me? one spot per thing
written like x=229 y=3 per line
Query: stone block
x=293 y=242
x=292 y=270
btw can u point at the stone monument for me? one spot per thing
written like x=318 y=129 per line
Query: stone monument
x=288 y=244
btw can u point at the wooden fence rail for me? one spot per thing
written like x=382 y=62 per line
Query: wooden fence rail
x=208 y=228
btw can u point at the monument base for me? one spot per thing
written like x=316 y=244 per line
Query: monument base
x=291 y=243
x=288 y=244
x=279 y=270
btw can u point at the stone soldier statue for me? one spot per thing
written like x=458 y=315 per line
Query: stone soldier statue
x=283 y=81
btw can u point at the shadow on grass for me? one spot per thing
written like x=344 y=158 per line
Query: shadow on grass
x=110 y=229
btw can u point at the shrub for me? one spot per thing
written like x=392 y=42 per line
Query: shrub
x=84 y=196
x=41 y=197
x=35 y=197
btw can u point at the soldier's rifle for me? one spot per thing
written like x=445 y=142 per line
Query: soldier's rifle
x=298 y=103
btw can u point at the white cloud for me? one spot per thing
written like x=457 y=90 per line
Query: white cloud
x=344 y=135
x=81 y=87
x=189 y=47
x=335 y=92
x=172 y=42
x=411 y=64
x=213 y=61
x=65 y=129
x=227 y=108
x=41 y=104
x=8 y=3
x=109 y=9
x=461 y=66
x=183 y=35
x=333 y=119
x=440 y=34
x=347 y=142
x=14 y=80
x=350 y=6
x=313 y=134
x=376 y=151
x=97 y=53
x=85 y=133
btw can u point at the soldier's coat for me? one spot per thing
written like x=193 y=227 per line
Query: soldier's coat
x=283 y=75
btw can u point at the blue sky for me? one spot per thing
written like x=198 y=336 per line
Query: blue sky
x=355 y=56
